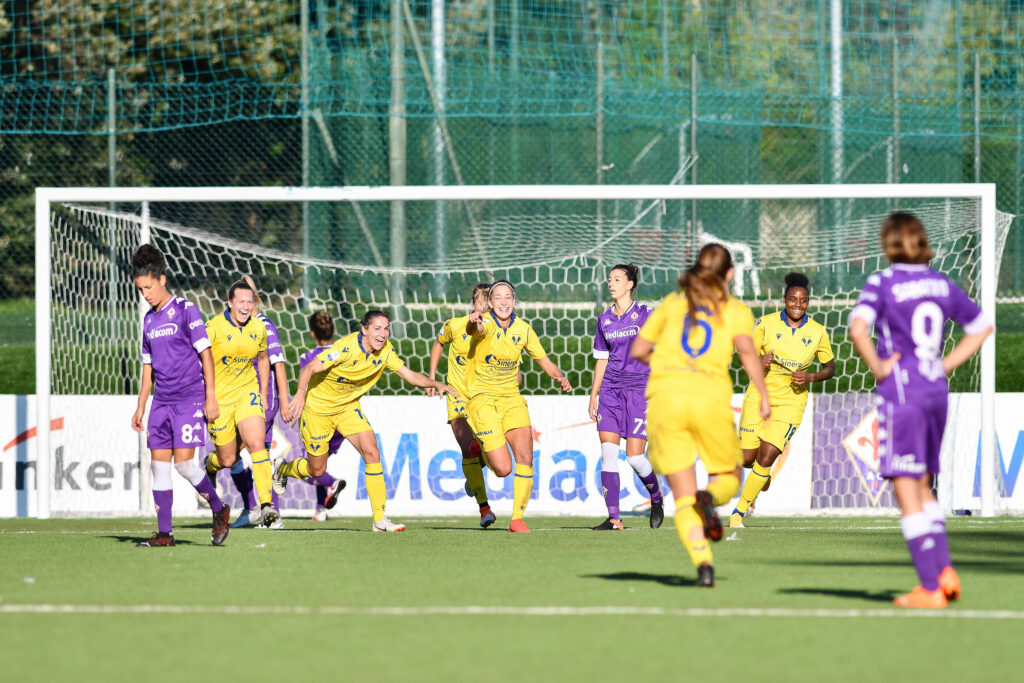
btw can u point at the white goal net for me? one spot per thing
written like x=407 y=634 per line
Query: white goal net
x=556 y=244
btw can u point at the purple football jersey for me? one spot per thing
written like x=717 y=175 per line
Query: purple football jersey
x=909 y=305
x=172 y=339
x=276 y=354
x=308 y=357
x=612 y=339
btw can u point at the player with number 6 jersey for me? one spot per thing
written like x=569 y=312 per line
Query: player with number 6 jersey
x=909 y=304
x=177 y=361
x=688 y=343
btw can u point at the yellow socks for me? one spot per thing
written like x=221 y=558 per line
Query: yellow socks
x=297 y=468
x=522 y=487
x=213 y=463
x=376 y=489
x=475 y=479
x=262 y=473
x=691 y=531
x=722 y=488
x=755 y=482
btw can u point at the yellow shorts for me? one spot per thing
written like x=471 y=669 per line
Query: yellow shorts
x=777 y=431
x=224 y=428
x=317 y=430
x=456 y=407
x=491 y=416
x=681 y=426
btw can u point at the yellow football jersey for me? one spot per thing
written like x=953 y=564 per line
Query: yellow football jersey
x=234 y=349
x=453 y=334
x=794 y=349
x=351 y=371
x=693 y=355
x=493 y=360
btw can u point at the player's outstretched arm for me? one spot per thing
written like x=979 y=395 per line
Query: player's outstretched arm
x=435 y=359
x=475 y=327
x=144 y=391
x=420 y=380
x=880 y=368
x=552 y=371
x=752 y=365
x=211 y=409
x=965 y=348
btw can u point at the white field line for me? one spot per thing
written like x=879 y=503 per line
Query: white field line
x=498 y=610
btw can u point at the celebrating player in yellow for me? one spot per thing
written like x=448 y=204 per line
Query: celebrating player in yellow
x=239 y=338
x=335 y=380
x=453 y=334
x=497 y=411
x=787 y=342
x=688 y=343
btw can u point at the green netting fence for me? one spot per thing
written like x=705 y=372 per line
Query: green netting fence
x=176 y=92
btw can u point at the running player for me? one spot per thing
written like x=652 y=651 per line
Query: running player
x=453 y=332
x=497 y=411
x=176 y=358
x=688 y=342
x=617 y=400
x=321 y=328
x=788 y=342
x=909 y=304
x=277 y=400
x=239 y=338
x=335 y=380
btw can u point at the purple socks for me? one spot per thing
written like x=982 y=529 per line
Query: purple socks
x=651 y=483
x=610 y=485
x=163 y=500
x=924 y=548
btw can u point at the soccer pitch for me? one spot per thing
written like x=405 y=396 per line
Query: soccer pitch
x=797 y=599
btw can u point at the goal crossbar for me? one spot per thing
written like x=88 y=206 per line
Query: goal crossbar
x=46 y=197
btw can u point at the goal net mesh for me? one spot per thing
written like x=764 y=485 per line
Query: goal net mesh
x=557 y=252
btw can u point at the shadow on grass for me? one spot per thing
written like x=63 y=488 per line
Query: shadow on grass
x=877 y=596
x=1009 y=565
x=664 y=579
x=137 y=539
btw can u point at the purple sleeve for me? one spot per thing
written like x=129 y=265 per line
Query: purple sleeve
x=600 y=343
x=964 y=311
x=308 y=356
x=196 y=327
x=147 y=351
x=870 y=304
x=274 y=349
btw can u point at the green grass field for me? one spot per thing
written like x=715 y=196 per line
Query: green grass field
x=796 y=600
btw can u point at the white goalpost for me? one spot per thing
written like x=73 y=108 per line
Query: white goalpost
x=558 y=240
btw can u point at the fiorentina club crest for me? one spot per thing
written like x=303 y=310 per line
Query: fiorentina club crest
x=862 y=446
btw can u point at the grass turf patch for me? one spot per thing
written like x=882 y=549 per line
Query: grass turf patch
x=447 y=600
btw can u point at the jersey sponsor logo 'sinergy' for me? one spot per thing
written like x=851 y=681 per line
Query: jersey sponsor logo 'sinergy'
x=920 y=289
x=167 y=330
x=491 y=359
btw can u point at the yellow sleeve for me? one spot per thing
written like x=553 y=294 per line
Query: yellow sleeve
x=444 y=335
x=263 y=337
x=330 y=356
x=741 y=320
x=758 y=336
x=211 y=332
x=392 y=362
x=533 y=345
x=651 y=330
x=825 y=353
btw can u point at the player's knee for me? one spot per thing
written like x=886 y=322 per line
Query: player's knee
x=371 y=456
x=316 y=467
x=749 y=456
x=501 y=469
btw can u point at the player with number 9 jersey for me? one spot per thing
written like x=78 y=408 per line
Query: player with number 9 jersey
x=909 y=304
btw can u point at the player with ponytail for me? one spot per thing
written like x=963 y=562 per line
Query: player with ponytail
x=688 y=342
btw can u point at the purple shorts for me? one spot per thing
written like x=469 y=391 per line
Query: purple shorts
x=271 y=414
x=176 y=425
x=910 y=436
x=622 y=412
x=335 y=443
